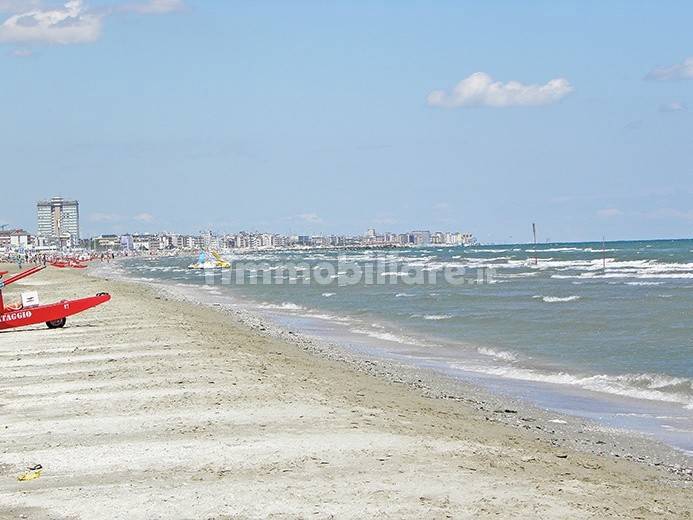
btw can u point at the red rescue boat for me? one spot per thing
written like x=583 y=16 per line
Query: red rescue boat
x=54 y=315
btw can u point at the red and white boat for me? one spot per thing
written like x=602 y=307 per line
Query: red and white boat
x=54 y=315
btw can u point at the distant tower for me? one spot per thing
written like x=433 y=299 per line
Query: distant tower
x=58 y=221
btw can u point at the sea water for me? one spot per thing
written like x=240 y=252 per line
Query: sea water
x=600 y=331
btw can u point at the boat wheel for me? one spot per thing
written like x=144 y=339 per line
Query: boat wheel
x=56 y=324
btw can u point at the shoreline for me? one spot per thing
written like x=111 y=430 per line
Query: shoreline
x=646 y=395
x=153 y=408
x=559 y=428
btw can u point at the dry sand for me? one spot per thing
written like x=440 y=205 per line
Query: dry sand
x=146 y=408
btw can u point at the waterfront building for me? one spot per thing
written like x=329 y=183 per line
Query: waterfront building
x=301 y=240
x=145 y=242
x=14 y=239
x=126 y=242
x=257 y=240
x=106 y=242
x=58 y=221
x=421 y=238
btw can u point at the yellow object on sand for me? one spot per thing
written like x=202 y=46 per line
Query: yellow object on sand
x=29 y=475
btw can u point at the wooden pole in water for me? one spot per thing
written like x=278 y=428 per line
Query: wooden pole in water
x=604 y=253
x=534 y=231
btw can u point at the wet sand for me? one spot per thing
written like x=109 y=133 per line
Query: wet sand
x=151 y=408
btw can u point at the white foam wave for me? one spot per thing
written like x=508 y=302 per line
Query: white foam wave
x=619 y=269
x=286 y=306
x=497 y=354
x=557 y=299
x=327 y=317
x=432 y=317
x=652 y=387
x=387 y=336
x=554 y=250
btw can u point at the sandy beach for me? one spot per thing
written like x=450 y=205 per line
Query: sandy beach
x=150 y=408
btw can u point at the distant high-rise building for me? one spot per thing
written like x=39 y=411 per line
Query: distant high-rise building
x=421 y=238
x=58 y=221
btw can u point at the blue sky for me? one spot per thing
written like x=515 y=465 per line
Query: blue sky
x=314 y=116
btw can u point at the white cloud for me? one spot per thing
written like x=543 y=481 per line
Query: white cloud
x=155 y=7
x=479 y=89
x=683 y=70
x=609 y=213
x=673 y=106
x=143 y=217
x=17 y=6
x=70 y=24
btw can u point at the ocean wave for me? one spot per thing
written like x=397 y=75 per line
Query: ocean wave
x=618 y=269
x=497 y=354
x=570 y=250
x=286 y=306
x=592 y=250
x=327 y=317
x=644 y=275
x=403 y=295
x=651 y=387
x=387 y=336
x=554 y=250
x=517 y=275
x=328 y=294
x=557 y=299
x=676 y=429
x=432 y=317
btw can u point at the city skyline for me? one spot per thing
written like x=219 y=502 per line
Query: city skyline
x=58 y=227
x=337 y=117
x=58 y=223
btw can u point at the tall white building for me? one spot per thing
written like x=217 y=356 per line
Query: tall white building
x=58 y=221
